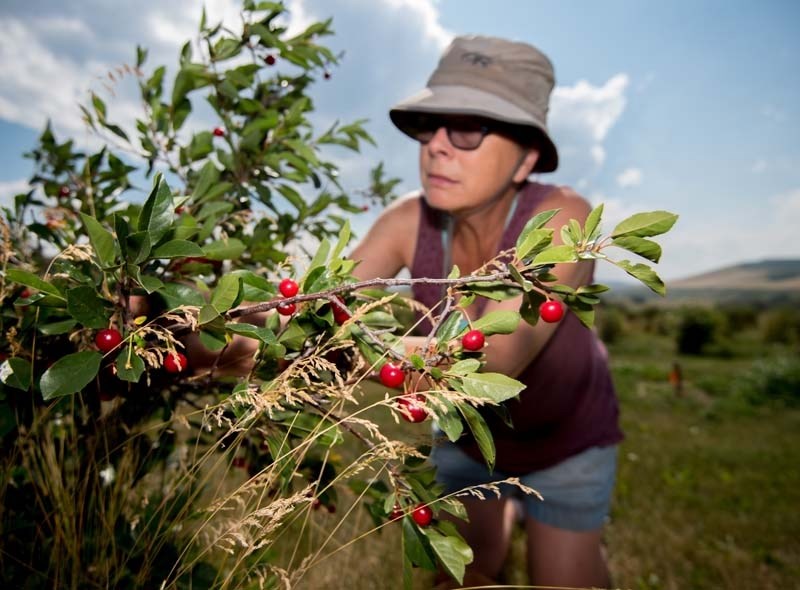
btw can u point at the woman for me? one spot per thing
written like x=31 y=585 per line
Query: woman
x=481 y=126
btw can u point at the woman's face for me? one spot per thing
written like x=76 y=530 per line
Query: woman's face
x=459 y=180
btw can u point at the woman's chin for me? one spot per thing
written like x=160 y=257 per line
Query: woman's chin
x=442 y=200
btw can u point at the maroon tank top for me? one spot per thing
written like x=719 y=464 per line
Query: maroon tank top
x=569 y=403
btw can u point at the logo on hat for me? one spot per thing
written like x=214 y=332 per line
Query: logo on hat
x=477 y=59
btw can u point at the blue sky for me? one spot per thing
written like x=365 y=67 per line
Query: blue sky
x=688 y=106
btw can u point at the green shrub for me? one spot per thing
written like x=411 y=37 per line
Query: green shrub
x=781 y=326
x=701 y=331
x=776 y=379
x=611 y=324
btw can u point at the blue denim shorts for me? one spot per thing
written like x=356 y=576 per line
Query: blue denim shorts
x=576 y=493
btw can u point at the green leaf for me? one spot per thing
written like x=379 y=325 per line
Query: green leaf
x=494 y=290
x=101 y=239
x=212 y=339
x=464 y=367
x=594 y=288
x=519 y=279
x=177 y=249
x=320 y=258
x=99 y=106
x=450 y=422
x=226 y=292
x=29 y=279
x=209 y=175
x=643 y=225
x=148 y=283
x=303 y=424
x=177 y=294
x=380 y=319
x=497 y=322
x=480 y=430
x=644 y=273
x=453 y=552
x=534 y=223
x=215 y=209
x=555 y=254
x=157 y=213
x=493 y=386
x=534 y=241
x=641 y=246
x=84 y=305
x=344 y=239
x=583 y=310
x=449 y=329
x=138 y=246
x=208 y=313
x=593 y=222
x=70 y=374
x=16 y=372
x=56 y=328
x=529 y=310
x=229 y=249
x=130 y=373
x=250 y=331
x=417 y=547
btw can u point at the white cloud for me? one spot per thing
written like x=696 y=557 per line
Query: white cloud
x=694 y=245
x=426 y=15
x=11 y=188
x=787 y=207
x=581 y=116
x=35 y=82
x=629 y=177
x=63 y=26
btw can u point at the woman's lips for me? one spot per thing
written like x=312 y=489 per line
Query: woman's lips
x=440 y=181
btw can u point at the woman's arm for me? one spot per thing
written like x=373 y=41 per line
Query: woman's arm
x=511 y=353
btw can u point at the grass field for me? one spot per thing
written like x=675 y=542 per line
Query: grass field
x=707 y=495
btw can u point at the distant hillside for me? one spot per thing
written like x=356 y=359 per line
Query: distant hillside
x=773 y=281
x=773 y=275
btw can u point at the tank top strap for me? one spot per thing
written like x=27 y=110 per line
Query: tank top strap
x=428 y=253
x=530 y=196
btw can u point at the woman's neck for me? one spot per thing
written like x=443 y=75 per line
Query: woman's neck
x=477 y=233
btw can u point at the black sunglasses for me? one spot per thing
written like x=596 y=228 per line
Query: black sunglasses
x=464 y=133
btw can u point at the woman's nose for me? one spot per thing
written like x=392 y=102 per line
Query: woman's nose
x=440 y=141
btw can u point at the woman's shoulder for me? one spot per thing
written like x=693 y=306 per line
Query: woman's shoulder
x=566 y=199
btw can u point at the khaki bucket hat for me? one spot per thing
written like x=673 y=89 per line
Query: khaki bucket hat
x=502 y=80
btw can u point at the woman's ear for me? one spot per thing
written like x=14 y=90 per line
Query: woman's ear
x=526 y=164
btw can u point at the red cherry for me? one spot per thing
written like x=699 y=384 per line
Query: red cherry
x=219 y=132
x=422 y=515
x=175 y=362
x=25 y=293
x=63 y=191
x=365 y=208
x=107 y=339
x=392 y=375
x=551 y=311
x=239 y=462
x=180 y=209
x=270 y=60
x=473 y=340
x=412 y=408
x=316 y=503
x=288 y=288
x=286 y=308
x=397 y=512
x=340 y=312
x=331 y=508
